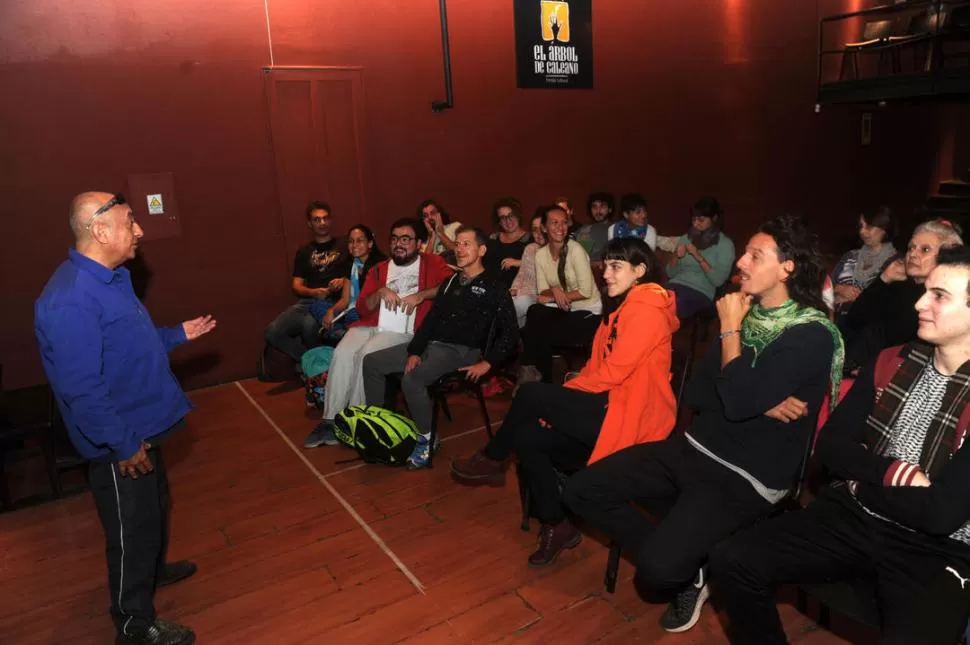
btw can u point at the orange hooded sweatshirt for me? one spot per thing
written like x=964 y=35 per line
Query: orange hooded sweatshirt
x=631 y=361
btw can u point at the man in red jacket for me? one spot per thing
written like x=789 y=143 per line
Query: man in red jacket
x=394 y=300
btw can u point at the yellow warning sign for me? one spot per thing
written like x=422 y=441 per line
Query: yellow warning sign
x=155 y=205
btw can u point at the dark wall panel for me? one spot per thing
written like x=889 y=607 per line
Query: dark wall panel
x=691 y=97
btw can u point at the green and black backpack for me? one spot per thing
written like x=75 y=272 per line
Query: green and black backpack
x=379 y=436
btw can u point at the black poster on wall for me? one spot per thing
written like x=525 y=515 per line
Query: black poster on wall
x=554 y=43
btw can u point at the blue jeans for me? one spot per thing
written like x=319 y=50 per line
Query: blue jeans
x=689 y=301
x=295 y=330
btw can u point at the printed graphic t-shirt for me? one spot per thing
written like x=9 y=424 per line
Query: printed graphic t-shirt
x=404 y=282
x=319 y=263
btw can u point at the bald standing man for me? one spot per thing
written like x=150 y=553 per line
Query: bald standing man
x=107 y=364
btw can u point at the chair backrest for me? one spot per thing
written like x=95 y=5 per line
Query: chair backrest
x=877 y=30
x=680 y=364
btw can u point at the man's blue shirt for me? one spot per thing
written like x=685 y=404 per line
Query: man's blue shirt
x=105 y=360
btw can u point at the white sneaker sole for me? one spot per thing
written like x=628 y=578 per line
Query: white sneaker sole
x=701 y=599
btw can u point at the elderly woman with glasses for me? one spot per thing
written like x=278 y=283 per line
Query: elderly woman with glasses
x=884 y=315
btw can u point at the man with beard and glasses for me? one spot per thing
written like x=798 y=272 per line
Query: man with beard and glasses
x=471 y=328
x=394 y=300
x=319 y=271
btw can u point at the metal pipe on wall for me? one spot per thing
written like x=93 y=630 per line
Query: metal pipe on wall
x=449 y=102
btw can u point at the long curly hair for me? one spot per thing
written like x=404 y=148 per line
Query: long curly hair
x=796 y=242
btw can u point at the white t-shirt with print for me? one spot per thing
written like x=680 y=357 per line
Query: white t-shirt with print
x=404 y=282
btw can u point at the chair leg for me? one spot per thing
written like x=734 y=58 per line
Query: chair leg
x=525 y=497
x=5 y=500
x=801 y=600
x=444 y=406
x=824 y=616
x=435 y=410
x=484 y=408
x=612 y=567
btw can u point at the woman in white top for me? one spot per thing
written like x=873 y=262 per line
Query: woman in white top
x=568 y=303
x=634 y=221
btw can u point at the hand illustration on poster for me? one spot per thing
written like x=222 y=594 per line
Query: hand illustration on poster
x=554 y=44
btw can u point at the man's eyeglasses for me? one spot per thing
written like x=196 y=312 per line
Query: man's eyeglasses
x=403 y=239
x=117 y=200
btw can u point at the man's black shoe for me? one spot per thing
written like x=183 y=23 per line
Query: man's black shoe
x=172 y=572
x=161 y=632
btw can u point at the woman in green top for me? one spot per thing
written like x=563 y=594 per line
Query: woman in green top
x=702 y=261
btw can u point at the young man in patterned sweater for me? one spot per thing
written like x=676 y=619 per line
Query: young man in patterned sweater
x=900 y=512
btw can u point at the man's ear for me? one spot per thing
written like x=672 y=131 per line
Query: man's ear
x=789 y=268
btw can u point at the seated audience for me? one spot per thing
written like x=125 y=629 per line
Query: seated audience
x=319 y=271
x=441 y=230
x=470 y=328
x=594 y=236
x=858 y=268
x=393 y=302
x=506 y=244
x=568 y=306
x=525 y=286
x=756 y=395
x=900 y=510
x=633 y=207
x=621 y=397
x=702 y=260
x=364 y=254
x=883 y=316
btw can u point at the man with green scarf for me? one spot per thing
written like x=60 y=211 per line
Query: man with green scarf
x=899 y=514
x=755 y=396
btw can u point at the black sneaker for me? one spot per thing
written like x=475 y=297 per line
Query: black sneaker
x=161 y=632
x=684 y=610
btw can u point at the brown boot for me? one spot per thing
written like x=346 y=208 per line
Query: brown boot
x=553 y=538
x=478 y=469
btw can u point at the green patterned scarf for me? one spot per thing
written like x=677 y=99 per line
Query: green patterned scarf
x=762 y=326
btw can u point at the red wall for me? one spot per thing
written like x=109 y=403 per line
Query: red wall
x=692 y=97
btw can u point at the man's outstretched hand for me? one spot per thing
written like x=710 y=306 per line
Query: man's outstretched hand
x=198 y=327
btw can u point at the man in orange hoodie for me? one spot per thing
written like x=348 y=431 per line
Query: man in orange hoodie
x=621 y=397
x=755 y=396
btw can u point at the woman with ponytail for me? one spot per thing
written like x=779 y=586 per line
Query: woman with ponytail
x=622 y=397
x=568 y=305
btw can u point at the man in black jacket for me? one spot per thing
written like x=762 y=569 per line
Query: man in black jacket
x=471 y=327
x=900 y=512
x=756 y=396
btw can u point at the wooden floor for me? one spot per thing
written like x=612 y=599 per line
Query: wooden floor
x=292 y=551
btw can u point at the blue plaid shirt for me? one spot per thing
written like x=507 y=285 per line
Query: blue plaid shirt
x=105 y=360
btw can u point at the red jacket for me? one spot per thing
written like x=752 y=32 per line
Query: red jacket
x=431 y=273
